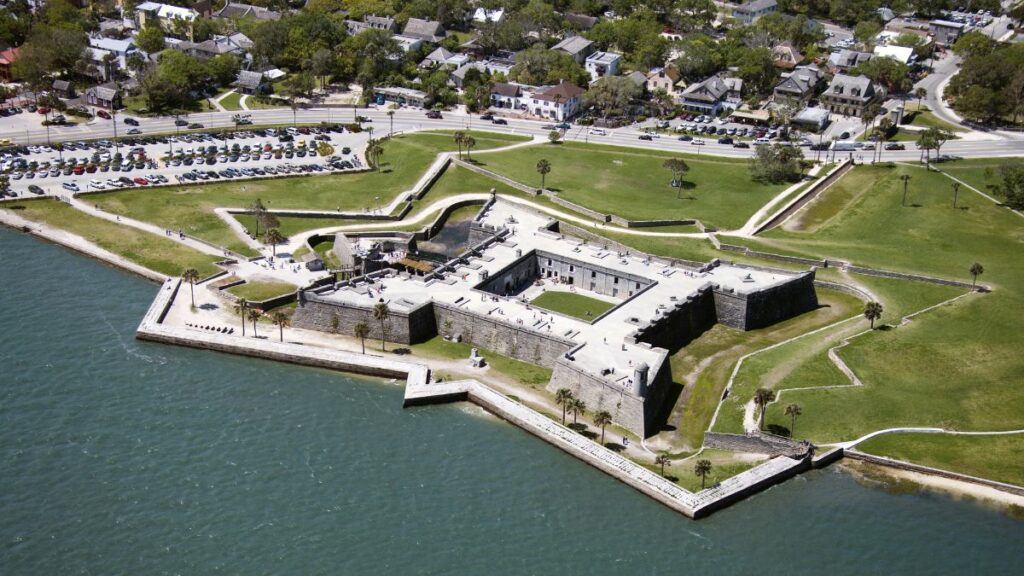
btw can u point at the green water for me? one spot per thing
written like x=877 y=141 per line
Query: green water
x=121 y=457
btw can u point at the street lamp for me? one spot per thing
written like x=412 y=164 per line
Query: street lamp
x=906 y=179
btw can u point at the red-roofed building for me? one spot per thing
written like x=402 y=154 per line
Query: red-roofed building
x=7 y=58
x=559 y=102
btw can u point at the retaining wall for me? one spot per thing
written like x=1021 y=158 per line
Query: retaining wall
x=757 y=444
x=901 y=465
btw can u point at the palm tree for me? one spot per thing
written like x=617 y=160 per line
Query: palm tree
x=976 y=270
x=602 y=418
x=469 y=142
x=373 y=153
x=258 y=210
x=362 y=330
x=543 y=168
x=763 y=397
x=380 y=313
x=282 y=320
x=873 y=311
x=702 y=468
x=391 y=119
x=793 y=410
x=563 y=398
x=920 y=92
x=191 y=275
x=460 y=139
x=577 y=407
x=240 y=307
x=254 y=315
x=274 y=237
x=662 y=460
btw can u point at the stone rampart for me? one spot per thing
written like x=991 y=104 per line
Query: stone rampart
x=757 y=444
x=679 y=323
x=766 y=307
x=403 y=325
x=500 y=336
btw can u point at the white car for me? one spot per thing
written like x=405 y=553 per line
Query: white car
x=696 y=142
x=598 y=132
x=97 y=185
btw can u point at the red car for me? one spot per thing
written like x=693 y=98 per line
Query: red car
x=141 y=181
x=43 y=110
x=103 y=114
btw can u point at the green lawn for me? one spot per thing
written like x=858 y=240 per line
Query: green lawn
x=956 y=367
x=998 y=458
x=523 y=372
x=136 y=106
x=262 y=290
x=255 y=104
x=724 y=465
x=922 y=116
x=633 y=184
x=979 y=172
x=149 y=250
x=571 y=304
x=231 y=102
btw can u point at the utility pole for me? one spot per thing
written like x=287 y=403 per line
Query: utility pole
x=956 y=192
x=905 y=178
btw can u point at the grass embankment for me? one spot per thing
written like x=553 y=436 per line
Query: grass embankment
x=154 y=252
x=921 y=115
x=576 y=305
x=190 y=208
x=982 y=173
x=261 y=290
x=956 y=367
x=521 y=372
x=724 y=465
x=999 y=458
x=633 y=184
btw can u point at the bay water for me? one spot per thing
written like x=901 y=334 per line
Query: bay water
x=125 y=457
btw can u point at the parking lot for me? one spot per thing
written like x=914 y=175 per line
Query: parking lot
x=74 y=167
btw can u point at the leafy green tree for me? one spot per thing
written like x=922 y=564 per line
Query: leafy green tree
x=576 y=408
x=150 y=39
x=380 y=314
x=891 y=73
x=543 y=168
x=254 y=315
x=538 y=66
x=702 y=468
x=980 y=104
x=611 y=95
x=241 y=308
x=701 y=57
x=258 y=210
x=361 y=331
x=191 y=275
x=762 y=398
x=865 y=32
x=976 y=270
x=563 y=397
x=223 y=69
x=469 y=142
x=1011 y=186
x=973 y=43
x=460 y=138
x=375 y=55
x=776 y=163
x=297 y=86
x=678 y=167
x=757 y=69
x=872 y=312
x=554 y=136
x=602 y=418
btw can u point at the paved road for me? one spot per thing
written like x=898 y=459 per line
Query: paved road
x=410 y=119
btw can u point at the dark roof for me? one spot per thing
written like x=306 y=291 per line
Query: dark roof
x=423 y=29
x=103 y=92
x=506 y=89
x=581 y=20
x=560 y=93
x=62 y=85
x=233 y=10
x=249 y=79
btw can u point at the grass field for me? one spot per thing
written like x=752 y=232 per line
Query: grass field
x=633 y=184
x=190 y=208
x=259 y=291
x=723 y=465
x=956 y=367
x=153 y=252
x=232 y=102
x=571 y=304
x=981 y=173
x=923 y=116
x=984 y=456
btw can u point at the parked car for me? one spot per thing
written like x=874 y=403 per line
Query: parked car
x=35 y=189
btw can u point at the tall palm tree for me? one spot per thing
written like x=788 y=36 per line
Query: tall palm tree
x=662 y=460
x=241 y=306
x=391 y=119
x=873 y=311
x=373 y=153
x=258 y=210
x=282 y=320
x=976 y=270
x=274 y=237
x=460 y=139
x=602 y=418
x=254 y=316
x=191 y=275
x=763 y=397
x=543 y=168
x=469 y=142
x=362 y=330
x=577 y=407
x=380 y=314
x=920 y=92
x=793 y=410
x=564 y=397
x=702 y=468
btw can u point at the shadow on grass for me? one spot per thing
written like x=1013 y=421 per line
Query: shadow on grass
x=779 y=430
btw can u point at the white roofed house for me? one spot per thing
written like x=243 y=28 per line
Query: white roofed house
x=109 y=55
x=712 y=94
x=752 y=11
x=174 y=20
x=601 y=64
x=846 y=59
x=904 y=54
x=483 y=15
x=441 y=57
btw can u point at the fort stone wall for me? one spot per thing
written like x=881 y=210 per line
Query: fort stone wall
x=766 y=307
x=404 y=326
x=500 y=336
x=680 y=322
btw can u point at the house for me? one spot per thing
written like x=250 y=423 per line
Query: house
x=109 y=54
x=903 y=54
x=667 y=80
x=581 y=22
x=167 y=17
x=407 y=43
x=249 y=82
x=556 y=102
x=639 y=78
x=425 y=30
x=576 y=46
x=886 y=14
x=63 y=89
x=401 y=96
x=483 y=15
x=442 y=57
x=313 y=262
x=712 y=94
x=849 y=95
x=946 y=32
x=813 y=119
x=7 y=58
x=371 y=23
x=601 y=64
x=786 y=56
x=506 y=95
x=752 y=11
x=846 y=59
x=237 y=44
x=231 y=11
x=798 y=87
x=104 y=96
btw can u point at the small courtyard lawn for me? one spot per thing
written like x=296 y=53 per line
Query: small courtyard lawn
x=154 y=252
x=633 y=184
x=999 y=458
x=571 y=304
x=261 y=290
x=231 y=102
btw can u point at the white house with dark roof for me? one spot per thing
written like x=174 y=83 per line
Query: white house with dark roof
x=232 y=10
x=442 y=57
x=559 y=102
x=483 y=15
x=846 y=59
x=576 y=46
x=506 y=95
x=712 y=94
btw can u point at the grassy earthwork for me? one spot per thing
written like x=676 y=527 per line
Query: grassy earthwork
x=999 y=458
x=571 y=304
